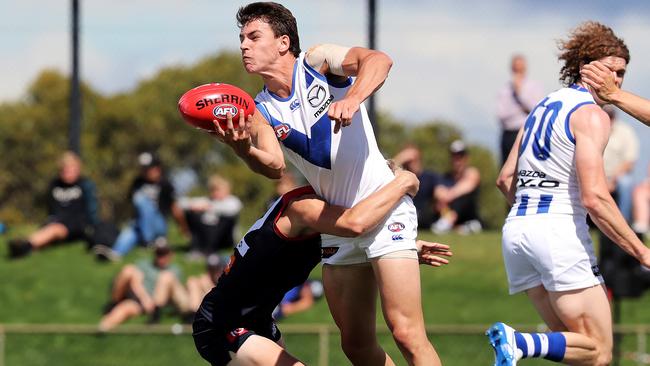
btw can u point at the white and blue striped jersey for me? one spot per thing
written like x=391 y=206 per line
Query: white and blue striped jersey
x=343 y=168
x=547 y=181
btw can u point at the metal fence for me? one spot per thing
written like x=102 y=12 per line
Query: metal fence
x=322 y=331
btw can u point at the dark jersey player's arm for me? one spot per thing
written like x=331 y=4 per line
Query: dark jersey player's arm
x=312 y=214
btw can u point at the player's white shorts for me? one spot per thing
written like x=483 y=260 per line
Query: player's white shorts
x=398 y=232
x=549 y=250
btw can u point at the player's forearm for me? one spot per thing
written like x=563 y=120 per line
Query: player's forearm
x=606 y=215
x=633 y=105
x=262 y=162
x=373 y=71
x=368 y=213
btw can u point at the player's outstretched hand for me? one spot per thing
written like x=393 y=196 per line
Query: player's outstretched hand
x=238 y=138
x=601 y=79
x=342 y=111
x=433 y=253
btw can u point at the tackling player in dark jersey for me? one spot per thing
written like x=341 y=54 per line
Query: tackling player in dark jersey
x=277 y=253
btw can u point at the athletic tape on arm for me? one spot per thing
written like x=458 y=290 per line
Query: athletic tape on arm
x=330 y=53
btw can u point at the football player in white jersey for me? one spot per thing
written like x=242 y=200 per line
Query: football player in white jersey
x=307 y=98
x=554 y=176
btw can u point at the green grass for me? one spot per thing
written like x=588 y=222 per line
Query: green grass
x=66 y=285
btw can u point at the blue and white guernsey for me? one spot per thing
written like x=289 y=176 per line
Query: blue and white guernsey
x=343 y=168
x=546 y=174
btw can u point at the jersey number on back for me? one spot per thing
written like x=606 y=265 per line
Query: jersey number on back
x=542 y=139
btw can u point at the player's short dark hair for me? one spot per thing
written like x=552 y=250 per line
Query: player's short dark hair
x=277 y=16
x=588 y=42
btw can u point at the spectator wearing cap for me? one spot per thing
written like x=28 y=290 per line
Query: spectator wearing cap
x=72 y=209
x=410 y=158
x=299 y=298
x=153 y=199
x=457 y=195
x=212 y=220
x=144 y=288
x=199 y=286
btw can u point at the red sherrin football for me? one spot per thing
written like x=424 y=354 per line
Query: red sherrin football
x=201 y=105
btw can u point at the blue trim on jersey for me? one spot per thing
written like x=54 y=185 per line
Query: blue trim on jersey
x=544 y=203
x=311 y=69
x=578 y=88
x=523 y=205
x=567 y=127
x=293 y=86
x=262 y=108
x=309 y=78
x=317 y=149
x=343 y=84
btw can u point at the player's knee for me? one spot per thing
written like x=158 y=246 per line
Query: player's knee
x=603 y=358
x=409 y=338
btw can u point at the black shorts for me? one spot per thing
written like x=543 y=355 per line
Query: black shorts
x=76 y=228
x=214 y=344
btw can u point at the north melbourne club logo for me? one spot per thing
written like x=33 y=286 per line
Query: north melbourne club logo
x=316 y=95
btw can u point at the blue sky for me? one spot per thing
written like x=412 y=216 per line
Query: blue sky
x=451 y=56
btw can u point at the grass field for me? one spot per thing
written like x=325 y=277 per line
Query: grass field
x=66 y=285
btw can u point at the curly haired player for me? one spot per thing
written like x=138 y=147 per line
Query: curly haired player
x=554 y=176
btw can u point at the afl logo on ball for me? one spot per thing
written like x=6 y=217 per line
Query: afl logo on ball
x=221 y=110
x=316 y=95
x=282 y=131
x=396 y=227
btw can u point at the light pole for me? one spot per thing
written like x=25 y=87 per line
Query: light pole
x=75 y=91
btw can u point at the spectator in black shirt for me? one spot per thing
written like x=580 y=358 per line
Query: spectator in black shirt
x=153 y=199
x=72 y=209
x=410 y=158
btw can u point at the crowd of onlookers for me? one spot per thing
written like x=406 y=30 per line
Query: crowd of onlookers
x=209 y=223
x=447 y=201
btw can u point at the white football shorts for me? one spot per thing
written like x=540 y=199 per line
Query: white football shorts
x=549 y=250
x=397 y=232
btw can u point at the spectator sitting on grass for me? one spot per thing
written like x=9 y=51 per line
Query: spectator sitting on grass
x=144 y=288
x=457 y=195
x=72 y=209
x=153 y=199
x=299 y=298
x=199 y=286
x=212 y=220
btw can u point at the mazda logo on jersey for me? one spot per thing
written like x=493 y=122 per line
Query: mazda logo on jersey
x=316 y=95
x=396 y=227
x=282 y=131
